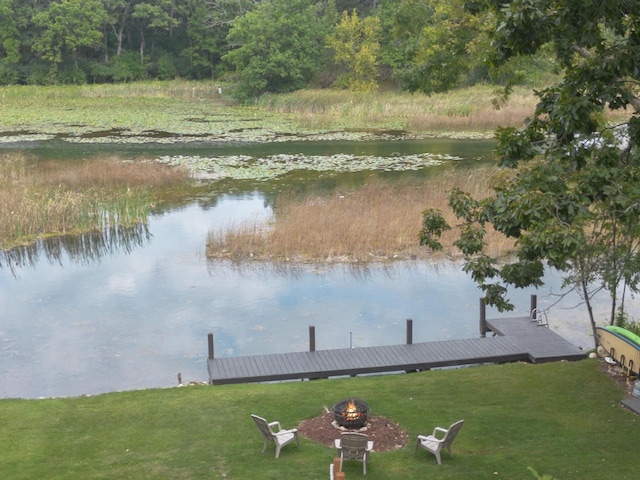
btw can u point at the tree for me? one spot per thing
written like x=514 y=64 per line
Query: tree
x=436 y=38
x=573 y=202
x=356 y=47
x=276 y=47
x=157 y=15
x=67 y=26
x=9 y=34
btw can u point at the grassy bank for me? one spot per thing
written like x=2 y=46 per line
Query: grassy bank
x=561 y=419
x=379 y=221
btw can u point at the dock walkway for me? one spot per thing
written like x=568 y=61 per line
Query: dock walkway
x=515 y=339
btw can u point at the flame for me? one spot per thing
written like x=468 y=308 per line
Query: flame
x=352 y=411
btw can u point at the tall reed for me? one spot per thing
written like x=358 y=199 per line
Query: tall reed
x=468 y=109
x=378 y=222
x=464 y=110
x=55 y=197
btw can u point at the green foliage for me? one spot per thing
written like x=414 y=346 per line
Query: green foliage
x=127 y=68
x=433 y=226
x=622 y=320
x=166 y=68
x=429 y=45
x=438 y=39
x=355 y=46
x=574 y=201
x=67 y=26
x=8 y=73
x=277 y=47
x=9 y=33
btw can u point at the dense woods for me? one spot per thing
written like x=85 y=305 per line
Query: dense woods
x=255 y=45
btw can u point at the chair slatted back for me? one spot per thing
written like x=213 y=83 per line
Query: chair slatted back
x=453 y=432
x=353 y=445
x=263 y=426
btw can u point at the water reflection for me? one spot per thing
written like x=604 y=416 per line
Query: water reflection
x=142 y=314
x=85 y=248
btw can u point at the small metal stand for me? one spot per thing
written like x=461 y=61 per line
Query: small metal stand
x=540 y=317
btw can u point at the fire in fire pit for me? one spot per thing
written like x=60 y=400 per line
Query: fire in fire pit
x=351 y=413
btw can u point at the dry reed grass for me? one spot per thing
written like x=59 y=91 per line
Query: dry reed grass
x=375 y=223
x=44 y=198
x=469 y=109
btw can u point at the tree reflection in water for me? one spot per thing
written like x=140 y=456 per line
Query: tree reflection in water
x=83 y=248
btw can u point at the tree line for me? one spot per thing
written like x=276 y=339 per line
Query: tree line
x=258 y=45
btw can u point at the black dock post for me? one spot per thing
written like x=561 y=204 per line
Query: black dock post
x=312 y=338
x=483 y=318
x=533 y=307
x=210 y=340
x=409 y=331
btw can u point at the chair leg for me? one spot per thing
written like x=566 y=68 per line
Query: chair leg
x=364 y=464
x=264 y=445
x=278 y=446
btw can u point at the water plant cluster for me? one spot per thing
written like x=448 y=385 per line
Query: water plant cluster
x=243 y=167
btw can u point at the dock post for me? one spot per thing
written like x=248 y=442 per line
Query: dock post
x=409 y=331
x=210 y=340
x=312 y=338
x=483 y=318
x=533 y=307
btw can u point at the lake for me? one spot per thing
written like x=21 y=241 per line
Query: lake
x=135 y=313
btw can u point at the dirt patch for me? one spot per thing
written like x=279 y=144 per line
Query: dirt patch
x=385 y=434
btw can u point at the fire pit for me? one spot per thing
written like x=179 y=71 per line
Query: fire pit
x=351 y=413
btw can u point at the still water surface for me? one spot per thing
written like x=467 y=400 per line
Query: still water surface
x=136 y=317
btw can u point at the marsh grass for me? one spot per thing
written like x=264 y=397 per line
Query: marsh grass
x=171 y=89
x=379 y=221
x=47 y=198
x=465 y=110
x=469 y=109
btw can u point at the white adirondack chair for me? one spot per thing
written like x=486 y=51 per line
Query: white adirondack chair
x=439 y=439
x=273 y=432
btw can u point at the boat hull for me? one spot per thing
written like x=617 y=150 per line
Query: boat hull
x=621 y=349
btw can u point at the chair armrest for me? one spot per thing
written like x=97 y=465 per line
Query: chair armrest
x=369 y=446
x=439 y=430
x=275 y=424
x=337 y=443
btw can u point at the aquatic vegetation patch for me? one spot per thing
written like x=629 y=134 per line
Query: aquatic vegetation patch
x=243 y=167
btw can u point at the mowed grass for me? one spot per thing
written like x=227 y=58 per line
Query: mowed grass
x=377 y=222
x=561 y=419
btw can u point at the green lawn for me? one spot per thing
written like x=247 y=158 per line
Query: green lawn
x=561 y=419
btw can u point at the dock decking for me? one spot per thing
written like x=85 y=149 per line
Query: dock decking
x=516 y=339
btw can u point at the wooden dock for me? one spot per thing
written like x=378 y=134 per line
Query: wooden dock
x=514 y=339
